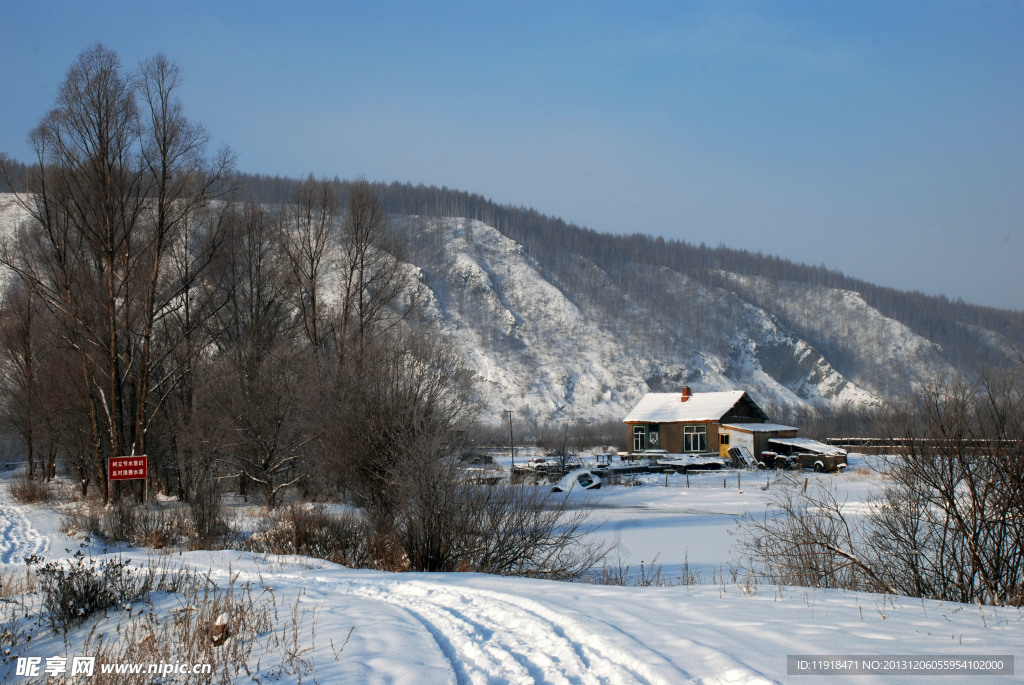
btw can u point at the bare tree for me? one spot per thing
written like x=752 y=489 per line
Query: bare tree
x=311 y=233
x=371 y=274
x=806 y=538
x=182 y=444
x=955 y=509
x=947 y=524
x=267 y=419
x=20 y=349
x=402 y=413
x=261 y=387
x=182 y=185
x=108 y=190
x=84 y=202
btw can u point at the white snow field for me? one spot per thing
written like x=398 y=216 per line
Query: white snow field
x=18 y=538
x=473 y=628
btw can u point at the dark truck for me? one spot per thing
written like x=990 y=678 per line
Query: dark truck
x=804 y=453
x=792 y=453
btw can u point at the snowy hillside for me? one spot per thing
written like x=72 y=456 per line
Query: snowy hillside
x=549 y=353
x=566 y=334
x=844 y=322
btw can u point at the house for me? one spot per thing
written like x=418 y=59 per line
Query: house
x=692 y=423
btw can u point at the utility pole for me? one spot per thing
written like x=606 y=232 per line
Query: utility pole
x=511 y=443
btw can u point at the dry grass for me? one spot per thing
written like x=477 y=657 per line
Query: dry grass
x=238 y=630
x=242 y=630
x=311 y=530
x=30 y=491
x=154 y=525
x=15 y=627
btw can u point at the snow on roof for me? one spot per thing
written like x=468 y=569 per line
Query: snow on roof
x=809 y=445
x=666 y=407
x=759 y=427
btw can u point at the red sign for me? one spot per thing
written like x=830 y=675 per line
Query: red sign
x=126 y=468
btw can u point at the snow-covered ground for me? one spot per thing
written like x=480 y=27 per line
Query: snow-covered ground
x=692 y=521
x=471 y=628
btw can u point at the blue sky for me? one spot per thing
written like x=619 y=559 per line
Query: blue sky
x=884 y=139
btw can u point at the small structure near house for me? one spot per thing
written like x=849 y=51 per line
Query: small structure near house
x=754 y=436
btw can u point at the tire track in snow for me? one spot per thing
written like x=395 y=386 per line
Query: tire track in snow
x=727 y=669
x=18 y=539
x=490 y=636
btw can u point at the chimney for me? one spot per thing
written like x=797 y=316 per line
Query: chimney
x=686 y=394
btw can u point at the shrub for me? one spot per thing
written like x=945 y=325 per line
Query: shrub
x=450 y=525
x=83 y=518
x=946 y=523
x=206 y=516
x=175 y=616
x=313 y=531
x=136 y=524
x=30 y=491
x=126 y=521
x=75 y=589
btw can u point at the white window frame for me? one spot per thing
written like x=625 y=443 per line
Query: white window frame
x=695 y=438
x=639 y=438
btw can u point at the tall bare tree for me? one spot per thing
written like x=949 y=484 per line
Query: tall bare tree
x=182 y=185
x=109 y=188
x=20 y=348
x=371 y=274
x=262 y=384
x=311 y=233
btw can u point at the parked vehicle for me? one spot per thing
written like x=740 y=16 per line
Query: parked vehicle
x=582 y=477
x=832 y=459
x=804 y=453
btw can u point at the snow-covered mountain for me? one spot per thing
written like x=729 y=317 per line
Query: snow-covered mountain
x=561 y=323
x=589 y=350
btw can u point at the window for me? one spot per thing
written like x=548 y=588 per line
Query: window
x=695 y=438
x=639 y=438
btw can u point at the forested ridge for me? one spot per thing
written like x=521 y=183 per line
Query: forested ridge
x=565 y=251
x=551 y=241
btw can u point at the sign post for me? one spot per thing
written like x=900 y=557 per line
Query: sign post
x=128 y=468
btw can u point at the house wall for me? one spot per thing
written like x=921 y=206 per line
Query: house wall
x=735 y=438
x=671 y=435
x=712 y=436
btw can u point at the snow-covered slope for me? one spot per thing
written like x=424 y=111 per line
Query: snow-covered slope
x=570 y=340
x=844 y=322
x=555 y=353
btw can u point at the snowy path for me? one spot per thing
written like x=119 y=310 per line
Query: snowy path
x=488 y=634
x=18 y=538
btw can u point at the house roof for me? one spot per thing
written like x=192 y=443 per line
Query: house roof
x=759 y=427
x=666 y=407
